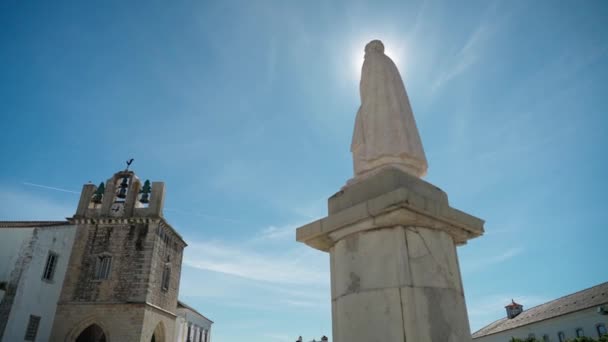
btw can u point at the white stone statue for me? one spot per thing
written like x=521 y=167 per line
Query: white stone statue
x=385 y=130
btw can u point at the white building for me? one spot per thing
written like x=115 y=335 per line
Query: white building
x=191 y=326
x=33 y=261
x=584 y=313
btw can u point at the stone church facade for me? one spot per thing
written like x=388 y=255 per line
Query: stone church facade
x=122 y=277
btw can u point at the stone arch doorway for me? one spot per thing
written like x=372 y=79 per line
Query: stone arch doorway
x=159 y=333
x=92 y=333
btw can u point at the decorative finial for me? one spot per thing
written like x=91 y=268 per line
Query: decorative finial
x=129 y=164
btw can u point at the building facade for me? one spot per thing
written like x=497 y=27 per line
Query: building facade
x=191 y=326
x=584 y=313
x=114 y=269
x=33 y=261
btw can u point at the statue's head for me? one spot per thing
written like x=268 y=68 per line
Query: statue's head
x=374 y=46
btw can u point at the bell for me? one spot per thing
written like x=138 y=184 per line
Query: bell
x=98 y=196
x=123 y=188
x=145 y=192
x=122 y=193
x=145 y=198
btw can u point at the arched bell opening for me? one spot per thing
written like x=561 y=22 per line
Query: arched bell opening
x=92 y=333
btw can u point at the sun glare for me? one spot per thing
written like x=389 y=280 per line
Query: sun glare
x=393 y=48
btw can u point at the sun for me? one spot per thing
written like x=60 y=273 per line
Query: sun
x=393 y=48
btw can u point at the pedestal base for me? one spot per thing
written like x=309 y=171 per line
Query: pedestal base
x=397 y=284
x=394 y=269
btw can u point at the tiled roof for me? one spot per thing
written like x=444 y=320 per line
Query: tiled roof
x=184 y=305
x=31 y=224
x=594 y=296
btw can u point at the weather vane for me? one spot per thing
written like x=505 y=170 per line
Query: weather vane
x=129 y=164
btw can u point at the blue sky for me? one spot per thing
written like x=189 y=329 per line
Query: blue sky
x=246 y=109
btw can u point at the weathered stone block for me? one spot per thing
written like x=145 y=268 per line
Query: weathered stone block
x=372 y=316
x=371 y=261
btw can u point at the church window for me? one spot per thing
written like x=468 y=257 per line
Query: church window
x=166 y=278
x=102 y=267
x=32 y=328
x=580 y=332
x=546 y=338
x=49 y=269
x=601 y=330
x=561 y=336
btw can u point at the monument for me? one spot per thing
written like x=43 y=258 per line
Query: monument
x=392 y=236
x=385 y=129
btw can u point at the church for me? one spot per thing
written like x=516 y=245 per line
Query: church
x=109 y=273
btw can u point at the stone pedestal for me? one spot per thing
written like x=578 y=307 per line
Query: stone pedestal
x=394 y=269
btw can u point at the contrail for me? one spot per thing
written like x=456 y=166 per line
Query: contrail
x=50 y=188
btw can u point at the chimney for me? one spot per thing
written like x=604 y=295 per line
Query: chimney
x=514 y=309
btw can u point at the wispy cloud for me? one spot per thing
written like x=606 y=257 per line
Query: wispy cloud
x=472 y=50
x=465 y=58
x=282 y=267
x=481 y=263
x=22 y=205
x=278 y=233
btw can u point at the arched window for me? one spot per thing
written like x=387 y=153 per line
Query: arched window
x=601 y=330
x=580 y=332
x=561 y=337
x=546 y=338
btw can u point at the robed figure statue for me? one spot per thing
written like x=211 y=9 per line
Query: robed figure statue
x=385 y=130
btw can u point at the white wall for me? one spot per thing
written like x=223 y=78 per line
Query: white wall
x=197 y=323
x=35 y=296
x=586 y=319
x=11 y=242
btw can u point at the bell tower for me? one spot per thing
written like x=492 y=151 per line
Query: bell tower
x=123 y=275
x=122 y=196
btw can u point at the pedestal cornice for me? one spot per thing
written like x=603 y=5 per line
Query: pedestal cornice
x=388 y=199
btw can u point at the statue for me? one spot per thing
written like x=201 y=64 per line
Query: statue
x=385 y=130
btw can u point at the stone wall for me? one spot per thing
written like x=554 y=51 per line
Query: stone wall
x=130 y=247
x=167 y=251
x=160 y=323
x=120 y=322
x=133 y=293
